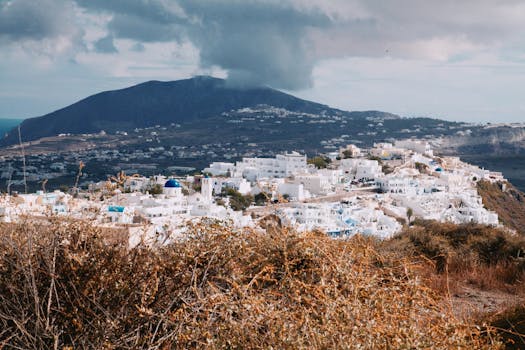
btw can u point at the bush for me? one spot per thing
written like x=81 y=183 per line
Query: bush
x=156 y=189
x=484 y=256
x=262 y=198
x=378 y=159
x=422 y=168
x=511 y=326
x=238 y=201
x=62 y=286
x=319 y=162
x=347 y=154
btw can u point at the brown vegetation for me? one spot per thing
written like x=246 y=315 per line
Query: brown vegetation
x=480 y=270
x=477 y=255
x=511 y=325
x=60 y=285
x=507 y=201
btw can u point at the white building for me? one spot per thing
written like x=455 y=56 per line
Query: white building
x=283 y=165
x=316 y=184
x=458 y=208
x=419 y=146
x=385 y=150
x=220 y=169
x=361 y=169
x=238 y=183
x=350 y=151
x=137 y=184
x=341 y=219
x=295 y=191
x=118 y=214
x=398 y=184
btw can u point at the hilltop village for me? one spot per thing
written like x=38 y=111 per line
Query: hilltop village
x=371 y=191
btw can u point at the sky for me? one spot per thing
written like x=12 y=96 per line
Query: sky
x=456 y=60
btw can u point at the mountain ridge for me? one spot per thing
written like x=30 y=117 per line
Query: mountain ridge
x=159 y=103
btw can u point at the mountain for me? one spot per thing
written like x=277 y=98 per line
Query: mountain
x=193 y=122
x=157 y=103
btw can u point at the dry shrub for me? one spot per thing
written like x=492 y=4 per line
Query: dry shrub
x=486 y=257
x=510 y=324
x=60 y=285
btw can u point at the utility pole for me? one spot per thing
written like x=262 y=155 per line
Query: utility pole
x=9 y=180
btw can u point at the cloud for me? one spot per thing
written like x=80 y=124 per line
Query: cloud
x=407 y=28
x=28 y=20
x=279 y=42
x=257 y=42
x=276 y=42
x=138 y=47
x=146 y=21
x=105 y=45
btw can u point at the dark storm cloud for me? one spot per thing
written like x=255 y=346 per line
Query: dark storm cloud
x=34 y=19
x=130 y=26
x=277 y=42
x=158 y=11
x=257 y=42
x=105 y=45
x=146 y=21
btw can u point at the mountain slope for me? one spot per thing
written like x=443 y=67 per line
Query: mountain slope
x=156 y=102
x=507 y=201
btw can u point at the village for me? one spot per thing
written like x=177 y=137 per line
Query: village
x=351 y=191
x=168 y=149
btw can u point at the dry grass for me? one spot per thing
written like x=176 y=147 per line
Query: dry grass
x=511 y=325
x=485 y=257
x=507 y=201
x=60 y=285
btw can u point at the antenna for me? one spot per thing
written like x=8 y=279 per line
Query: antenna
x=23 y=158
x=44 y=182
x=9 y=180
x=79 y=174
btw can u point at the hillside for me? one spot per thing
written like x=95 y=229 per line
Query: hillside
x=507 y=201
x=159 y=103
x=479 y=269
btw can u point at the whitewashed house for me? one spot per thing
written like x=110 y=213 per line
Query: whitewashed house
x=419 y=146
x=220 y=169
x=386 y=151
x=283 y=165
x=361 y=169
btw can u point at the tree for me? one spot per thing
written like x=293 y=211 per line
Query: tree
x=319 y=162
x=410 y=213
x=347 y=154
x=387 y=169
x=156 y=189
x=379 y=160
x=262 y=198
x=422 y=168
x=238 y=202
